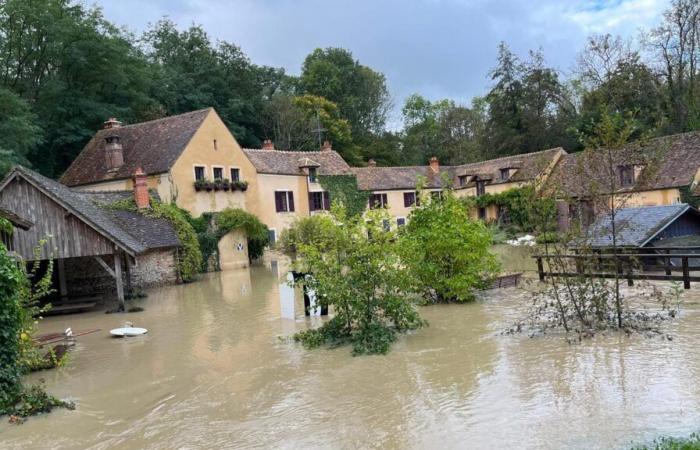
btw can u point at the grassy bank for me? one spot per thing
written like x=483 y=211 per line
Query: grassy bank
x=690 y=443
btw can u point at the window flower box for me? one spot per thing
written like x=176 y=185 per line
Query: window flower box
x=199 y=185
x=225 y=185
x=239 y=185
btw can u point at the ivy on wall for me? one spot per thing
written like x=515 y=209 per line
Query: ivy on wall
x=190 y=255
x=343 y=189
x=519 y=203
x=688 y=197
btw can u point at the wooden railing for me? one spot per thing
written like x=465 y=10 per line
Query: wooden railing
x=626 y=264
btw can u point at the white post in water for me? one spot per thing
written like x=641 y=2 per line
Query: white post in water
x=314 y=307
x=287 y=297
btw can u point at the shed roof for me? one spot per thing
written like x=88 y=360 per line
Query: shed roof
x=126 y=230
x=154 y=146
x=635 y=227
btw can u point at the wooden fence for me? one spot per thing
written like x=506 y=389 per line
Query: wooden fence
x=629 y=264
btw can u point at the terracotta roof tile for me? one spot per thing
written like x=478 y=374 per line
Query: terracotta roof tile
x=154 y=146
x=285 y=162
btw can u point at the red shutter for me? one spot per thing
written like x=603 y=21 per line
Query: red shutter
x=311 y=202
x=327 y=201
x=291 y=201
x=278 y=201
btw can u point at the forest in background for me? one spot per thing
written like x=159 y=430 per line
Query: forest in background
x=65 y=68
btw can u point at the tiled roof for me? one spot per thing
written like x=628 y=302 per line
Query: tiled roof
x=154 y=146
x=285 y=162
x=527 y=167
x=669 y=162
x=126 y=230
x=388 y=178
x=634 y=226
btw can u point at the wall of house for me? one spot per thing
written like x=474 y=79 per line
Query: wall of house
x=651 y=198
x=233 y=250
x=268 y=184
x=226 y=154
x=162 y=183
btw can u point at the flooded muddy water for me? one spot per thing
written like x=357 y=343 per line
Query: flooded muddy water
x=215 y=371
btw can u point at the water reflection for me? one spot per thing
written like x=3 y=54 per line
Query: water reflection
x=214 y=373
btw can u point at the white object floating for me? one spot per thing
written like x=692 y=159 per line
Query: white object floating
x=128 y=331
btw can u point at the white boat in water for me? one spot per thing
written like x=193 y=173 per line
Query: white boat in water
x=128 y=331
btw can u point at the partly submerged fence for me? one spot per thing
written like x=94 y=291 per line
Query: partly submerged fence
x=630 y=264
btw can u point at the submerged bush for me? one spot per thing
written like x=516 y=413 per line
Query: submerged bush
x=354 y=266
x=445 y=251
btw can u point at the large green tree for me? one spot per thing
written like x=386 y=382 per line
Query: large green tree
x=359 y=91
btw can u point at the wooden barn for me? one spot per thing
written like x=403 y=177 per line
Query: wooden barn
x=99 y=252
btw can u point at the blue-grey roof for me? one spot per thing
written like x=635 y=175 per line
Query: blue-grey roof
x=634 y=226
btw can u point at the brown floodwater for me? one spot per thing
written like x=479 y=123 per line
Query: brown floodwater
x=215 y=371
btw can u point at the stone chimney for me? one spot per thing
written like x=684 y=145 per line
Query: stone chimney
x=268 y=145
x=114 y=153
x=141 y=189
x=371 y=163
x=435 y=164
x=112 y=122
x=326 y=147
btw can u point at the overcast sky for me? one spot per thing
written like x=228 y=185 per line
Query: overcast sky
x=439 y=48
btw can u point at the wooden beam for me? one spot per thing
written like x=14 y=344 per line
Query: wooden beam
x=62 y=288
x=105 y=266
x=118 y=279
x=129 y=289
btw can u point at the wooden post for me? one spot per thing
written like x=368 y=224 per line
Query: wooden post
x=129 y=289
x=540 y=268
x=62 y=288
x=686 y=273
x=668 y=262
x=630 y=281
x=118 y=279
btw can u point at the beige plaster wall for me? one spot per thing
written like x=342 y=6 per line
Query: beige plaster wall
x=226 y=154
x=268 y=184
x=233 y=250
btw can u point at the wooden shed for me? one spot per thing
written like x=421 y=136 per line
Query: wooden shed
x=78 y=226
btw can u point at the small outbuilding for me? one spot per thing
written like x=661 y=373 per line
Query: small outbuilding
x=99 y=252
x=645 y=226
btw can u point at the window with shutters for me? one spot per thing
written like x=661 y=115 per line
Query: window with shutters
x=480 y=188
x=319 y=201
x=377 y=201
x=284 y=201
x=235 y=174
x=199 y=173
x=410 y=199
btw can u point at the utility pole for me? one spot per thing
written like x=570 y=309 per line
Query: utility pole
x=319 y=130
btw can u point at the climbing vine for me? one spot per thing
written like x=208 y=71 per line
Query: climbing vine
x=343 y=189
x=519 y=203
x=190 y=255
x=234 y=218
x=688 y=197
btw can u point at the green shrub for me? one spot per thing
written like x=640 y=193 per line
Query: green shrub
x=446 y=252
x=235 y=218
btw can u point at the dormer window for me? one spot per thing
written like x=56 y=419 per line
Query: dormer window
x=463 y=180
x=626 y=175
x=313 y=177
x=505 y=174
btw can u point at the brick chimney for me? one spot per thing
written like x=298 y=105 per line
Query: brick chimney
x=371 y=163
x=141 y=189
x=435 y=164
x=268 y=145
x=326 y=147
x=112 y=122
x=114 y=153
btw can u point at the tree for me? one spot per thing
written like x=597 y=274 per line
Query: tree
x=446 y=252
x=353 y=265
x=360 y=92
x=19 y=131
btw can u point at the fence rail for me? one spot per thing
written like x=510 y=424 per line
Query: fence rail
x=626 y=264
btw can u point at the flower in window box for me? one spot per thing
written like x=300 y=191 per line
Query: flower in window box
x=218 y=184
x=225 y=184
x=208 y=185
x=199 y=185
x=242 y=185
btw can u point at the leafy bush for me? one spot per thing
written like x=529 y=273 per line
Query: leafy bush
x=446 y=252
x=10 y=328
x=518 y=203
x=354 y=266
x=305 y=231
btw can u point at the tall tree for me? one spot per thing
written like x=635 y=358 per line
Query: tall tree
x=359 y=91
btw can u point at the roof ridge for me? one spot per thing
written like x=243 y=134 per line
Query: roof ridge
x=289 y=151
x=513 y=156
x=160 y=119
